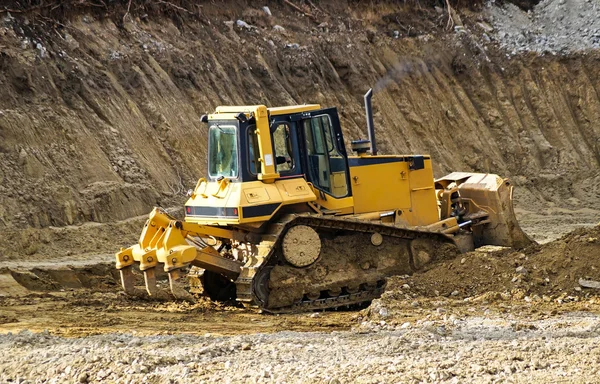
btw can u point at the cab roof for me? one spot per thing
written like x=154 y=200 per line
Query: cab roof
x=273 y=111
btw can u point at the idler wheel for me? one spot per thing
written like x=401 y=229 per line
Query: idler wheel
x=301 y=246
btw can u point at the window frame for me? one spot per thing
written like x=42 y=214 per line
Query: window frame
x=249 y=160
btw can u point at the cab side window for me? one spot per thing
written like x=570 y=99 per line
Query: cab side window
x=282 y=147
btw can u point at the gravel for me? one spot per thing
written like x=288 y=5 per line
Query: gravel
x=472 y=349
x=553 y=27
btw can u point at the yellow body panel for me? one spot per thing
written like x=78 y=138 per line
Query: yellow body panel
x=251 y=199
x=275 y=111
x=393 y=186
x=233 y=109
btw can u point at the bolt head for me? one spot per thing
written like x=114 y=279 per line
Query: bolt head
x=149 y=259
x=125 y=258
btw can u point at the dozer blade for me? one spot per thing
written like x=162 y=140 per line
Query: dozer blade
x=492 y=195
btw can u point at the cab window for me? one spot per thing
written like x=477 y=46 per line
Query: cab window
x=222 y=151
x=282 y=147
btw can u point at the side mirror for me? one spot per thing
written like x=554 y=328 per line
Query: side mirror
x=204 y=118
x=241 y=117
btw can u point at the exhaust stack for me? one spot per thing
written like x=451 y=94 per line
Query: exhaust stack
x=370 y=126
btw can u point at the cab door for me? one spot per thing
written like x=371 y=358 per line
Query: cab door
x=324 y=157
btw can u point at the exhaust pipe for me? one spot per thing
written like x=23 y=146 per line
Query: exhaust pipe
x=370 y=126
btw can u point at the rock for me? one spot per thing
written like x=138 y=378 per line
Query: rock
x=521 y=270
x=315 y=315
x=246 y=347
x=243 y=24
x=267 y=10
x=460 y=29
x=83 y=378
x=292 y=45
x=135 y=342
x=485 y=26
x=278 y=28
x=383 y=312
x=454 y=293
x=323 y=26
x=463 y=260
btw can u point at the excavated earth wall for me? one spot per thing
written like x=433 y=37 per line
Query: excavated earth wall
x=99 y=117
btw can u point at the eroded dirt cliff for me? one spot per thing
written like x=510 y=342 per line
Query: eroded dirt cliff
x=99 y=117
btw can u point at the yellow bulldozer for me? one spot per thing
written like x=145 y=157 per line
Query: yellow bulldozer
x=287 y=221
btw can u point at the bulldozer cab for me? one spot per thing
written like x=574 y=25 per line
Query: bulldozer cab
x=308 y=144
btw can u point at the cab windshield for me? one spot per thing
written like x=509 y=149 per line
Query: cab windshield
x=222 y=150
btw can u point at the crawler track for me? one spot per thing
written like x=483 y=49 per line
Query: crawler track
x=350 y=270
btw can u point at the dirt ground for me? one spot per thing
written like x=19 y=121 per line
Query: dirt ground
x=67 y=320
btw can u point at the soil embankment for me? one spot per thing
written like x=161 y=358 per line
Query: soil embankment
x=99 y=117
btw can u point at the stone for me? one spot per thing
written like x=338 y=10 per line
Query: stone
x=521 y=270
x=83 y=378
x=243 y=24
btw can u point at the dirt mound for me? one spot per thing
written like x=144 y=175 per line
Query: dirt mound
x=548 y=271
